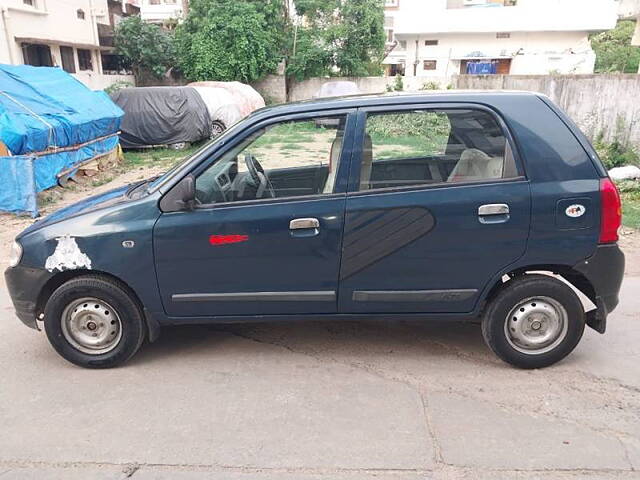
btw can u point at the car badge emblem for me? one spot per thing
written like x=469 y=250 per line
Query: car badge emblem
x=575 y=211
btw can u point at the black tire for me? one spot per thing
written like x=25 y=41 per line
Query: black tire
x=117 y=296
x=522 y=292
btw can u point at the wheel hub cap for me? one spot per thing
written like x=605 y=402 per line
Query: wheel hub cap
x=91 y=326
x=536 y=325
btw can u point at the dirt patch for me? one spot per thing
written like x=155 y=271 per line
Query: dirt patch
x=630 y=244
x=12 y=225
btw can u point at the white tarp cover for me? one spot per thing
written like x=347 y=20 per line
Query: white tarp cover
x=221 y=105
x=629 y=172
x=246 y=98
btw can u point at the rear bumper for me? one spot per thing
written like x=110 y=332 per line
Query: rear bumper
x=24 y=285
x=605 y=271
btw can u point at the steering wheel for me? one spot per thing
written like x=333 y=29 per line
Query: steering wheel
x=257 y=178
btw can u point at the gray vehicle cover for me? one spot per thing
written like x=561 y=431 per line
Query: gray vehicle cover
x=161 y=116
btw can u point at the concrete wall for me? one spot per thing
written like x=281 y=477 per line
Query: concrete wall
x=307 y=88
x=597 y=103
x=98 y=81
x=272 y=88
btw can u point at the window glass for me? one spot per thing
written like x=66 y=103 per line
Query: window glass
x=430 y=64
x=433 y=146
x=68 y=60
x=286 y=159
x=84 y=59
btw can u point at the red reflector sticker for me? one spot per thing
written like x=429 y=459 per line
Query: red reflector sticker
x=225 y=239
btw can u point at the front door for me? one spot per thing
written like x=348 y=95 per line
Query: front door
x=266 y=235
x=438 y=207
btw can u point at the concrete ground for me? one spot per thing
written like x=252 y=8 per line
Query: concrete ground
x=323 y=401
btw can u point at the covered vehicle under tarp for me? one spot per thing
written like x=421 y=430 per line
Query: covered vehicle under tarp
x=161 y=116
x=221 y=106
x=245 y=96
x=49 y=123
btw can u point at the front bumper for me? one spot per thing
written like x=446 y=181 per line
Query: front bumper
x=25 y=285
x=605 y=271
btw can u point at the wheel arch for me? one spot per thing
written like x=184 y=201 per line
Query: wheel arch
x=576 y=279
x=153 y=327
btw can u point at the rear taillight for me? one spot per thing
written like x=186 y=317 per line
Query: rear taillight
x=611 y=208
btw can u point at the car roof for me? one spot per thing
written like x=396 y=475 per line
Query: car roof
x=394 y=98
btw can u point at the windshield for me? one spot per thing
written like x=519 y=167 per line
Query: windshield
x=157 y=182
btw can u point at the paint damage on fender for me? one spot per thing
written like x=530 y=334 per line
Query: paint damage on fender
x=67 y=256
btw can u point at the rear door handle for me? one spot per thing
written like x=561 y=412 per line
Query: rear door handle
x=493 y=213
x=493 y=209
x=304 y=223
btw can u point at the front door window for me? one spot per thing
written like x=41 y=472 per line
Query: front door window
x=288 y=159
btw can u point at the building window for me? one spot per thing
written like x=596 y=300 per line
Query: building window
x=84 y=59
x=390 y=35
x=154 y=2
x=391 y=3
x=80 y=14
x=31 y=3
x=430 y=64
x=402 y=44
x=68 y=59
x=388 y=21
x=503 y=35
x=430 y=43
x=37 y=55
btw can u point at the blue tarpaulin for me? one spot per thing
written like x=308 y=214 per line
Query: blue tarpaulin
x=49 y=122
x=481 y=68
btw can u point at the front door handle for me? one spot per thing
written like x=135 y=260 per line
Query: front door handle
x=493 y=209
x=304 y=223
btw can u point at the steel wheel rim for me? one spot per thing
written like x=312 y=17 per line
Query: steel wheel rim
x=91 y=326
x=536 y=325
x=216 y=129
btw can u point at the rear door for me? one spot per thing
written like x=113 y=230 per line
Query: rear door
x=437 y=205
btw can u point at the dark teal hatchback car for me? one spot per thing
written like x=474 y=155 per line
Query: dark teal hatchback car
x=487 y=207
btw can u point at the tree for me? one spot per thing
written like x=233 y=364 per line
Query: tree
x=614 y=52
x=231 y=39
x=340 y=36
x=146 y=46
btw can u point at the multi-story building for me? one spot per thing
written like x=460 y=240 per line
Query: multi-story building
x=70 y=34
x=630 y=10
x=163 y=12
x=440 y=38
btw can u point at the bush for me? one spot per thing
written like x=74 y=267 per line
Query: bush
x=119 y=85
x=430 y=86
x=397 y=86
x=426 y=125
x=615 y=153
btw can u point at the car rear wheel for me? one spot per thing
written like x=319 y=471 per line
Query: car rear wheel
x=534 y=322
x=217 y=127
x=94 y=321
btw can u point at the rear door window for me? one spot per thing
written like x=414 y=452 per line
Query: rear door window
x=419 y=147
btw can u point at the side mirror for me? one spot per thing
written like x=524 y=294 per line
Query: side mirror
x=181 y=197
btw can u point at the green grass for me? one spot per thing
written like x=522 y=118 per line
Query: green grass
x=412 y=146
x=156 y=156
x=630 y=193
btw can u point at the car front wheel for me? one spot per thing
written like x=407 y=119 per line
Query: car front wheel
x=535 y=321
x=93 y=321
